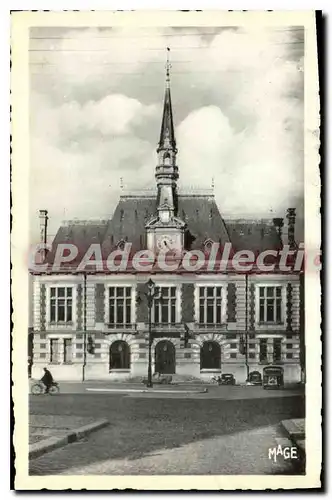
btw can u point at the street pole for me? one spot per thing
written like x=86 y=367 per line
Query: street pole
x=84 y=328
x=246 y=329
x=150 y=295
x=150 y=298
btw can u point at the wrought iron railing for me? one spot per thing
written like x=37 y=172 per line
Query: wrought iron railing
x=210 y=326
x=121 y=326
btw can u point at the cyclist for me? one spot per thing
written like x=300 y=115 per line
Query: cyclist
x=47 y=380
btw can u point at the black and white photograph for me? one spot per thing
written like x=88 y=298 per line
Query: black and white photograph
x=167 y=186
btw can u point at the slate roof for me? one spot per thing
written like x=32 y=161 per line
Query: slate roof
x=200 y=213
x=254 y=235
x=82 y=234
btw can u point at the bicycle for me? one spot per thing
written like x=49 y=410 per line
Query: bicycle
x=39 y=388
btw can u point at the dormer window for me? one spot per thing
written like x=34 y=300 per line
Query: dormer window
x=121 y=244
x=167 y=158
x=208 y=244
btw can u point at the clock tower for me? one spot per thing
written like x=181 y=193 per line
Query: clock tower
x=165 y=230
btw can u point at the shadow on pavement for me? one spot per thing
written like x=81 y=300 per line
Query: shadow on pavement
x=141 y=426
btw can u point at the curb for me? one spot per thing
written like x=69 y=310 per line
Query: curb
x=52 y=443
x=153 y=391
x=294 y=434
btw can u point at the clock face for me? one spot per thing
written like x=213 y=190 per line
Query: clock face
x=165 y=242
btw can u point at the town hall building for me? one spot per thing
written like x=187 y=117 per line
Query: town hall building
x=96 y=324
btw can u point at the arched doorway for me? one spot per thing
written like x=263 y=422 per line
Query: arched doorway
x=165 y=357
x=210 y=356
x=119 y=355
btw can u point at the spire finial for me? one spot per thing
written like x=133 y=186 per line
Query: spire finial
x=167 y=66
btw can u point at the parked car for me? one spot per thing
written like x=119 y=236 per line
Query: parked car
x=227 y=379
x=273 y=377
x=255 y=378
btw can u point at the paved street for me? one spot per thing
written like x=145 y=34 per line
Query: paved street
x=214 y=391
x=229 y=433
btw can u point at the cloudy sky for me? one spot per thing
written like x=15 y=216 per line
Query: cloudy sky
x=96 y=104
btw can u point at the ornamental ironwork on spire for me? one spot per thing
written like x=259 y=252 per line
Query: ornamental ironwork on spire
x=167 y=136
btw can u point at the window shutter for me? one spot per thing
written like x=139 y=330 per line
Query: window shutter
x=100 y=303
x=42 y=307
x=142 y=306
x=79 y=308
x=289 y=307
x=188 y=305
x=251 y=308
x=231 y=302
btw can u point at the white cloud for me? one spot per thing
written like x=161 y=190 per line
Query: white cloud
x=205 y=139
x=96 y=112
x=114 y=114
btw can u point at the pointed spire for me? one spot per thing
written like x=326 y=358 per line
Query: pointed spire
x=168 y=67
x=167 y=136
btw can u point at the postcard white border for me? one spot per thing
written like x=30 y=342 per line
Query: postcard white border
x=21 y=21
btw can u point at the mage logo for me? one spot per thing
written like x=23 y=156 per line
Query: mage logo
x=287 y=452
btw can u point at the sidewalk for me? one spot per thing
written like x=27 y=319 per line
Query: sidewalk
x=48 y=432
x=69 y=386
x=295 y=430
x=181 y=385
x=201 y=391
x=235 y=453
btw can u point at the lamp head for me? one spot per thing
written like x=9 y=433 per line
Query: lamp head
x=151 y=285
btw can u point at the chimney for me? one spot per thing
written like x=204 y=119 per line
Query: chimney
x=291 y=214
x=279 y=224
x=43 y=218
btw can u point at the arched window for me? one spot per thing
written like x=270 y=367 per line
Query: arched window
x=119 y=355
x=167 y=158
x=210 y=355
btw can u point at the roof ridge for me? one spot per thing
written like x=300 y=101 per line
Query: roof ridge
x=84 y=222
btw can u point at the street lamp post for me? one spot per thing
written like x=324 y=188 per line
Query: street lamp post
x=151 y=296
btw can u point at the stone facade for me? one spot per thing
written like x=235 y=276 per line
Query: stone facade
x=187 y=363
